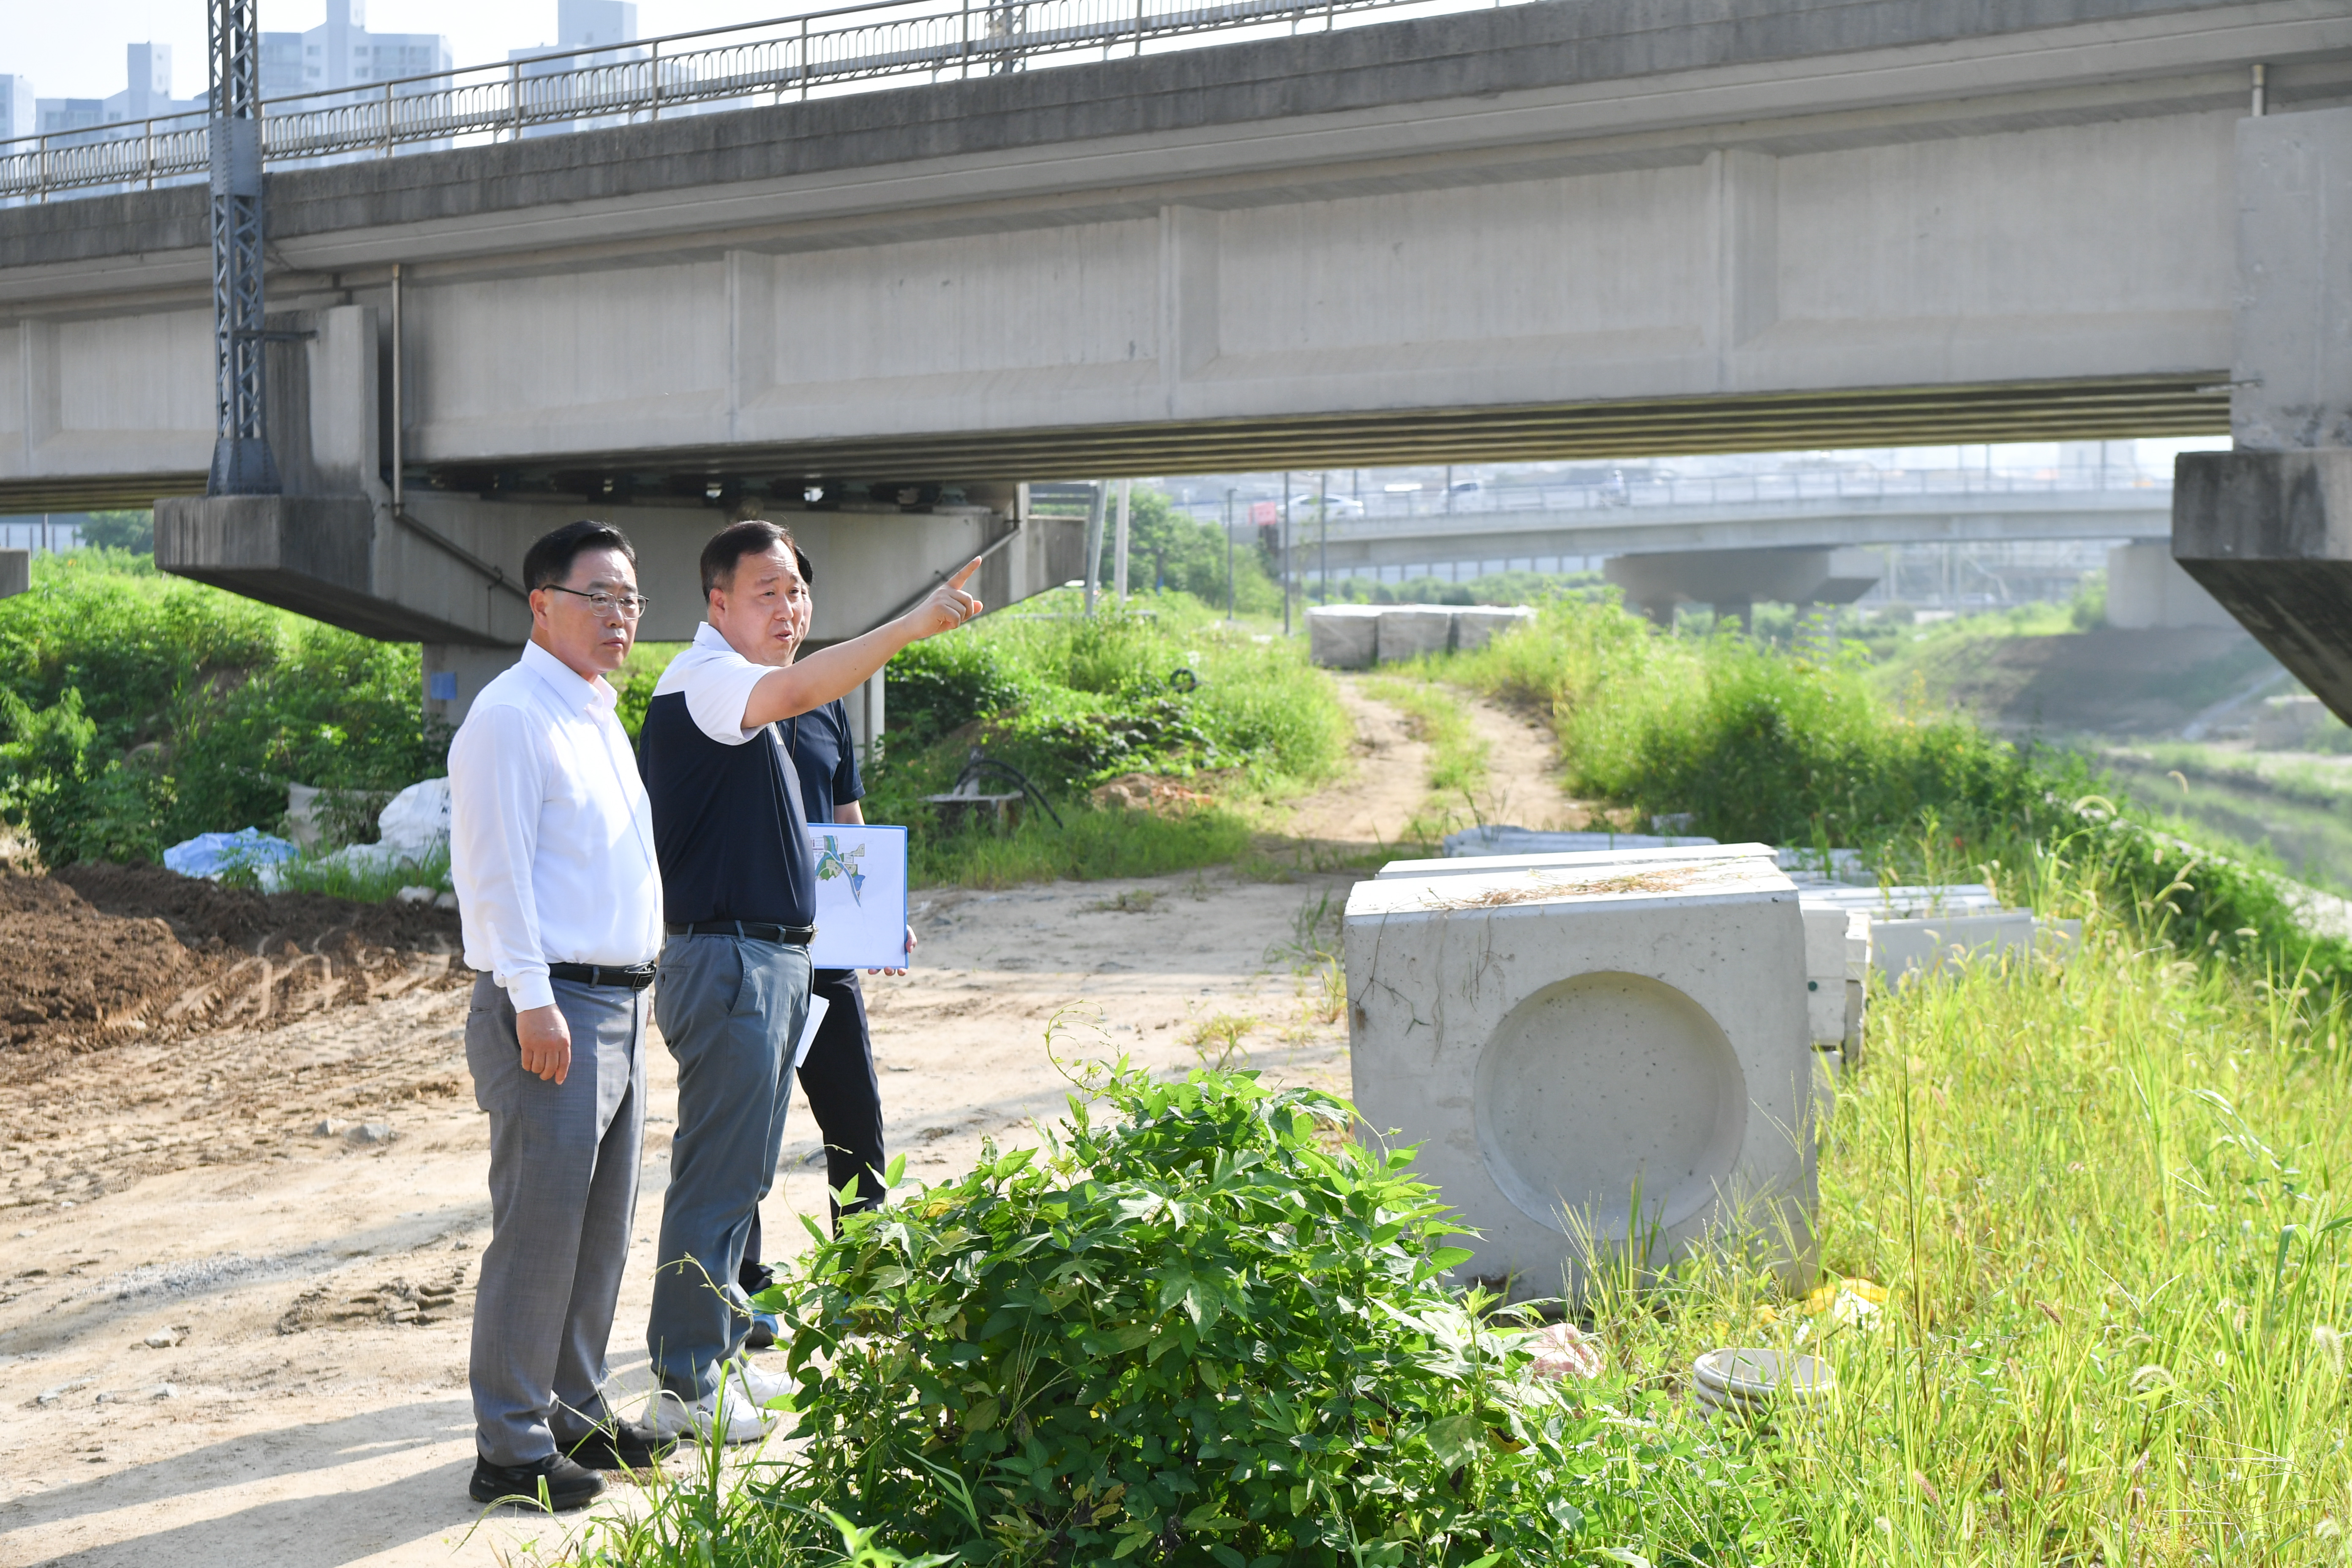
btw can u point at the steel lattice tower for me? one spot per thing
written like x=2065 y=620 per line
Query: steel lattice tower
x=242 y=464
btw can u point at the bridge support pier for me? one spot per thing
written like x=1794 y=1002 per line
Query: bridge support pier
x=2267 y=528
x=1732 y=581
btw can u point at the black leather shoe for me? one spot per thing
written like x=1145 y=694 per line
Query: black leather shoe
x=621 y=1445
x=555 y=1483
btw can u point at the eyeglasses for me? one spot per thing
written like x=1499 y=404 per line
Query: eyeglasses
x=605 y=604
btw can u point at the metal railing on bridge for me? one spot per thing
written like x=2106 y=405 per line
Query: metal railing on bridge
x=690 y=72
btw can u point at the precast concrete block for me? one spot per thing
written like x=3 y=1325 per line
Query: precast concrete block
x=1925 y=945
x=1649 y=852
x=1593 y=1059
x=1475 y=626
x=1408 y=631
x=1344 y=637
x=1825 y=973
x=1489 y=839
x=16 y=572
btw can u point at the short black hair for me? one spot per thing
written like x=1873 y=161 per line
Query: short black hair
x=550 y=560
x=808 y=572
x=753 y=536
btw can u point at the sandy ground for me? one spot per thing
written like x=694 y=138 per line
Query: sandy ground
x=236 y=1271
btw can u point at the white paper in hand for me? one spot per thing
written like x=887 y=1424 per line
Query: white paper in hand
x=861 y=895
x=817 y=1005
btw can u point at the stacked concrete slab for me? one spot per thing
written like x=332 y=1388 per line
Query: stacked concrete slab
x=1357 y=636
x=1608 y=1052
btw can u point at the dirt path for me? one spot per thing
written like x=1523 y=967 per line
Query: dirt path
x=1523 y=787
x=1374 y=805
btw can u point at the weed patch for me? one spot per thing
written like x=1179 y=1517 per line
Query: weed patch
x=1182 y=1333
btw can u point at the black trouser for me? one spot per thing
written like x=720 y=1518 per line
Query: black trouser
x=846 y=1099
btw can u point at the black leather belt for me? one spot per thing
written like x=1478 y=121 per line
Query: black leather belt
x=757 y=930
x=635 y=976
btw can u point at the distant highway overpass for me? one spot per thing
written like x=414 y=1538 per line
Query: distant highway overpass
x=1654 y=518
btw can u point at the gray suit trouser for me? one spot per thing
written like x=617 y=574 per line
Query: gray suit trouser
x=730 y=1010
x=563 y=1196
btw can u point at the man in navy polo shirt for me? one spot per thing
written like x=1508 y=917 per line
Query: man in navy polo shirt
x=739 y=894
x=837 y=1076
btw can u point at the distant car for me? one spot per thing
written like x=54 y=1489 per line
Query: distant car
x=1303 y=509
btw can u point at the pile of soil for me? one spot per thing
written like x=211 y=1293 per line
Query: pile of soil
x=100 y=954
x=207 y=915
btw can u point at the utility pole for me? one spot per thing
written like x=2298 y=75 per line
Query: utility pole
x=1119 y=554
x=1095 y=541
x=242 y=464
x=1286 y=552
x=1229 y=555
x=1323 y=533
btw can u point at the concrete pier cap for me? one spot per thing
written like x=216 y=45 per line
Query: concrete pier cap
x=1596 y=1059
x=2266 y=528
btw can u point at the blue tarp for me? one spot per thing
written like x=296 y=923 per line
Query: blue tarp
x=210 y=854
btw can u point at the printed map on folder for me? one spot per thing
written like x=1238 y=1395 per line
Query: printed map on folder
x=861 y=897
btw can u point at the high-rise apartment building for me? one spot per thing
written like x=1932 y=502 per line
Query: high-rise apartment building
x=147 y=93
x=18 y=116
x=341 y=52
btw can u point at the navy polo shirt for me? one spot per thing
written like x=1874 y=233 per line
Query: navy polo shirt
x=729 y=830
x=827 y=759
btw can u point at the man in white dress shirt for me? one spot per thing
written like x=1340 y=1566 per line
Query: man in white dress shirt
x=552 y=852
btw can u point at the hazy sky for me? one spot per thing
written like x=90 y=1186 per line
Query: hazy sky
x=75 y=50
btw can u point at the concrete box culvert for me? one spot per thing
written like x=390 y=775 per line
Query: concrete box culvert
x=1344 y=637
x=1408 y=631
x=1611 y=1059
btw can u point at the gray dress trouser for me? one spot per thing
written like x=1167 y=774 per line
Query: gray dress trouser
x=730 y=1009
x=563 y=1196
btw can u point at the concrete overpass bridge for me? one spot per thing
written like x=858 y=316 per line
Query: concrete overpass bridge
x=1543 y=230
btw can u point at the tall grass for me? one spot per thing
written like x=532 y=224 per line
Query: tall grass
x=1757 y=743
x=2107 y=1200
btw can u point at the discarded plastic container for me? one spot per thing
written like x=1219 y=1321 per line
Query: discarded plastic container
x=1746 y=1383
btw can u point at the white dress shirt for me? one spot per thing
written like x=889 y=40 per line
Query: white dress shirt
x=550 y=842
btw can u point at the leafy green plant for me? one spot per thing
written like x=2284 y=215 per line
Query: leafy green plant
x=137 y=710
x=1182 y=1333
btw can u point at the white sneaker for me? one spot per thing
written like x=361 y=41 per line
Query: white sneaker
x=740 y=1421
x=757 y=1386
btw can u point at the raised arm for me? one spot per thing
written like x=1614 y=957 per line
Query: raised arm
x=812 y=683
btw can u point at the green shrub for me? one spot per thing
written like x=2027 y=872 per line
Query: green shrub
x=137 y=710
x=131 y=533
x=943 y=683
x=1172 y=550
x=1159 y=686
x=1198 y=1329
